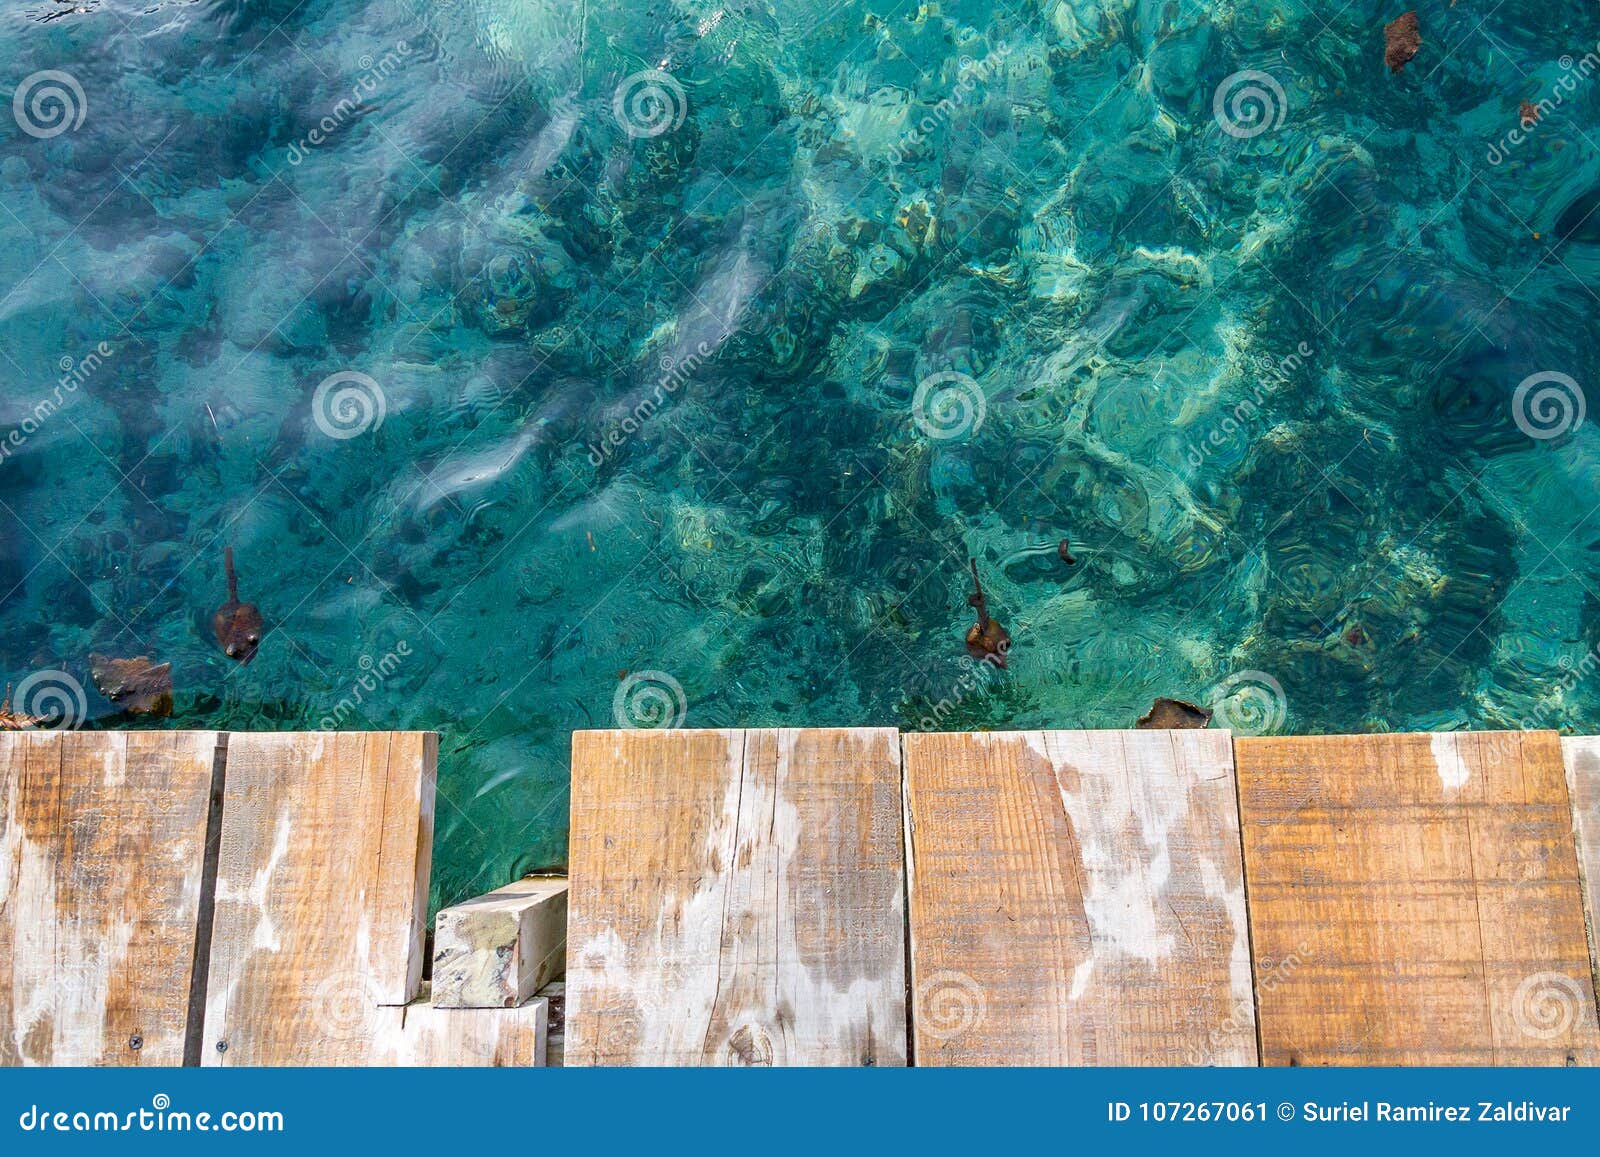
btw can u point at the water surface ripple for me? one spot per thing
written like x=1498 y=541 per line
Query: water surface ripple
x=549 y=364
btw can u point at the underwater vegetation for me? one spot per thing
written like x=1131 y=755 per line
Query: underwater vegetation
x=559 y=365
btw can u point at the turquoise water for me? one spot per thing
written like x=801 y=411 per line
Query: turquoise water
x=552 y=365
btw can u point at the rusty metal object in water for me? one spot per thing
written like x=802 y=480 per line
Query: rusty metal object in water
x=237 y=625
x=987 y=640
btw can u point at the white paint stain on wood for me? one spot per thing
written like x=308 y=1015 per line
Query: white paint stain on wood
x=737 y=899
x=99 y=893
x=1449 y=761
x=1126 y=879
x=1581 y=757
x=323 y=871
x=1087 y=890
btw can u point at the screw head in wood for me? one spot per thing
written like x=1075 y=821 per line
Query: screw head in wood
x=136 y=1042
x=222 y=1046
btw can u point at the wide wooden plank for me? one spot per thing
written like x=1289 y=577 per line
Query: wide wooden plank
x=1581 y=755
x=1077 y=899
x=102 y=846
x=1414 y=899
x=497 y=950
x=737 y=898
x=322 y=887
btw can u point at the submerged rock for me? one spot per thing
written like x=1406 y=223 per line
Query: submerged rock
x=138 y=686
x=1173 y=715
x=1401 y=40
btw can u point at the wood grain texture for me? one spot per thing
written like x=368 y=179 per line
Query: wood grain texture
x=1077 y=899
x=101 y=848
x=737 y=899
x=322 y=886
x=1414 y=899
x=1582 y=758
x=497 y=950
x=421 y=1035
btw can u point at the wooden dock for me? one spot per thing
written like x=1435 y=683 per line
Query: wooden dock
x=811 y=897
x=1082 y=898
x=203 y=898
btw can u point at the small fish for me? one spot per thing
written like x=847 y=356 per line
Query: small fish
x=237 y=625
x=1173 y=715
x=987 y=640
x=1064 y=552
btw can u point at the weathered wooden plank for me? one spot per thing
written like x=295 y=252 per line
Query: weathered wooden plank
x=1414 y=899
x=1581 y=754
x=1077 y=898
x=321 y=894
x=420 y=1035
x=497 y=950
x=101 y=849
x=737 y=898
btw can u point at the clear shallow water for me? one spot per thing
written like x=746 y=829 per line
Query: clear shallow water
x=651 y=353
